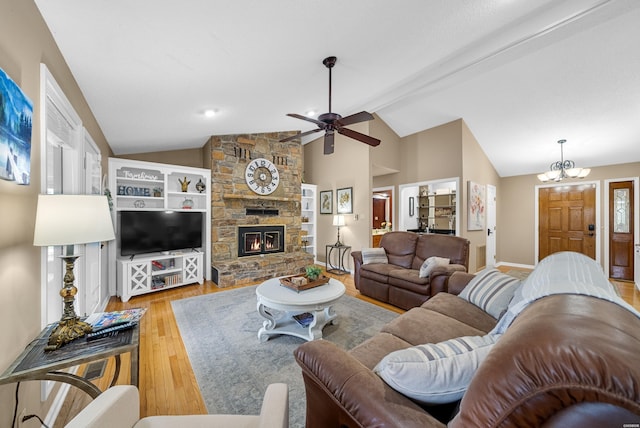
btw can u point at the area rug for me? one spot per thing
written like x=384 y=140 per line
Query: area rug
x=233 y=368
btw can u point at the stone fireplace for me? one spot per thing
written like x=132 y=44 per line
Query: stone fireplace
x=235 y=208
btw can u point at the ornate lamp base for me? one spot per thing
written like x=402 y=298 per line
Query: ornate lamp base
x=66 y=331
x=69 y=327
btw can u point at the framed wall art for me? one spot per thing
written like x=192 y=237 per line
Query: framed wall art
x=326 y=202
x=344 y=199
x=475 y=206
x=16 y=112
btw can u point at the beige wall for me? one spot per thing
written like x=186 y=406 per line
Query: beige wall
x=426 y=155
x=25 y=42
x=385 y=156
x=477 y=168
x=348 y=166
x=188 y=157
x=516 y=232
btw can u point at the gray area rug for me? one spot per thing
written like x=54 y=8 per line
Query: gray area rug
x=233 y=368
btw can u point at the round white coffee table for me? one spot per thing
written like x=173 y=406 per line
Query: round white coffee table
x=278 y=305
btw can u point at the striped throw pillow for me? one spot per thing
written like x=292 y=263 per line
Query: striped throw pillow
x=491 y=291
x=374 y=255
x=435 y=373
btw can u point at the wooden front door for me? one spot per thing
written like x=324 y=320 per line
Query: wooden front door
x=621 y=230
x=567 y=218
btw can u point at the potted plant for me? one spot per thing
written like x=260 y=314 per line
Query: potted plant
x=313 y=272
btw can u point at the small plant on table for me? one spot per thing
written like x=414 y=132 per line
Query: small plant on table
x=313 y=272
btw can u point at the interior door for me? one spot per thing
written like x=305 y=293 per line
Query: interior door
x=621 y=232
x=567 y=220
x=491 y=226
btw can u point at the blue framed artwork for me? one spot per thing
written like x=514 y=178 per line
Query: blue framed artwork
x=16 y=112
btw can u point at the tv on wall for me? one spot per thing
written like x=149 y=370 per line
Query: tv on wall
x=156 y=231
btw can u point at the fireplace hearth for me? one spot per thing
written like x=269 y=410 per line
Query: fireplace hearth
x=256 y=240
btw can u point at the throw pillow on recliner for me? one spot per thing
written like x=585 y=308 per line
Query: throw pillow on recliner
x=435 y=373
x=374 y=255
x=429 y=264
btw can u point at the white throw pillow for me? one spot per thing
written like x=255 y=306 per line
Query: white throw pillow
x=430 y=263
x=374 y=255
x=435 y=373
x=491 y=291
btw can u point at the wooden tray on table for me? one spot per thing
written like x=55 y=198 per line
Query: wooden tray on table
x=289 y=282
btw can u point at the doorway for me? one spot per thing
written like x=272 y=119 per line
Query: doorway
x=621 y=195
x=491 y=226
x=382 y=206
x=567 y=219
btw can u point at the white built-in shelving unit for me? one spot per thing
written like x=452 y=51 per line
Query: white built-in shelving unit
x=148 y=186
x=309 y=214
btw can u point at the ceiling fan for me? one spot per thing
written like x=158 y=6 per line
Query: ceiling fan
x=332 y=122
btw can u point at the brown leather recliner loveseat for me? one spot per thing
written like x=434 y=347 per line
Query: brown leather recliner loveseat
x=398 y=282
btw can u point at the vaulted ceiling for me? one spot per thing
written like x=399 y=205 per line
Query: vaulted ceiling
x=522 y=74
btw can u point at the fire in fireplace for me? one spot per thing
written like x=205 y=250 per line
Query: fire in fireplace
x=254 y=240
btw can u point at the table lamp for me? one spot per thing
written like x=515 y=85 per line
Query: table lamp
x=68 y=220
x=338 y=220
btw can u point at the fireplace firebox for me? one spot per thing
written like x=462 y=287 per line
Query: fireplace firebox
x=255 y=240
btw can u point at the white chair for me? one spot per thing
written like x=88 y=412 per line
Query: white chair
x=119 y=406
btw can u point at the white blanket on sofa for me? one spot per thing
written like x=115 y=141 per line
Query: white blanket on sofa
x=561 y=273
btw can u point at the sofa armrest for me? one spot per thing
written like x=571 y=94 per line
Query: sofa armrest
x=440 y=277
x=118 y=406
x=341 y=391
x=447 y=270
x=457 y=281
x=357 y=264
x=562 y=356
x=275 y=406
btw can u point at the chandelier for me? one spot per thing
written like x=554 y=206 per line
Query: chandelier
x=562 y=169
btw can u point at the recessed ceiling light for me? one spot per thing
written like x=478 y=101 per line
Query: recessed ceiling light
x=311 y=113
x=209 y=113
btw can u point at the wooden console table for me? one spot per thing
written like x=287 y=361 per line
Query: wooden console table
x=36 y=364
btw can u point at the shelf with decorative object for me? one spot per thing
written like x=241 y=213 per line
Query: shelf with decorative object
x=308 y=219
x=138 y=187
x=437 y=210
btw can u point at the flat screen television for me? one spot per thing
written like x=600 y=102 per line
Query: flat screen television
x=155 y=231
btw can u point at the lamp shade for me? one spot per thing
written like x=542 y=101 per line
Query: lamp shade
x=338 y=220
x=72 y=219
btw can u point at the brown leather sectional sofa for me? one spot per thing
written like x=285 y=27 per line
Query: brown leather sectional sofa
x=566 y=361
x=398 y=281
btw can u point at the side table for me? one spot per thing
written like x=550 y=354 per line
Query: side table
x=36 y=364
x=341 y=250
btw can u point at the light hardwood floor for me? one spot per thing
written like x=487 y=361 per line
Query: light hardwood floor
x=167 y=383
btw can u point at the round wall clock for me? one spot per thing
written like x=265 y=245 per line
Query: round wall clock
x=262 y=176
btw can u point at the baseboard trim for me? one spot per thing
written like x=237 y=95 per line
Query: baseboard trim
x=516 y=265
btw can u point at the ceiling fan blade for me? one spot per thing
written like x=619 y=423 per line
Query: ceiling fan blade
x=363 y=116
x=328 y=143
x=358 y=136
x=300 y=135
x=322 y=125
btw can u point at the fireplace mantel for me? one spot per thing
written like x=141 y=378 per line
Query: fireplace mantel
x=253 y=197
